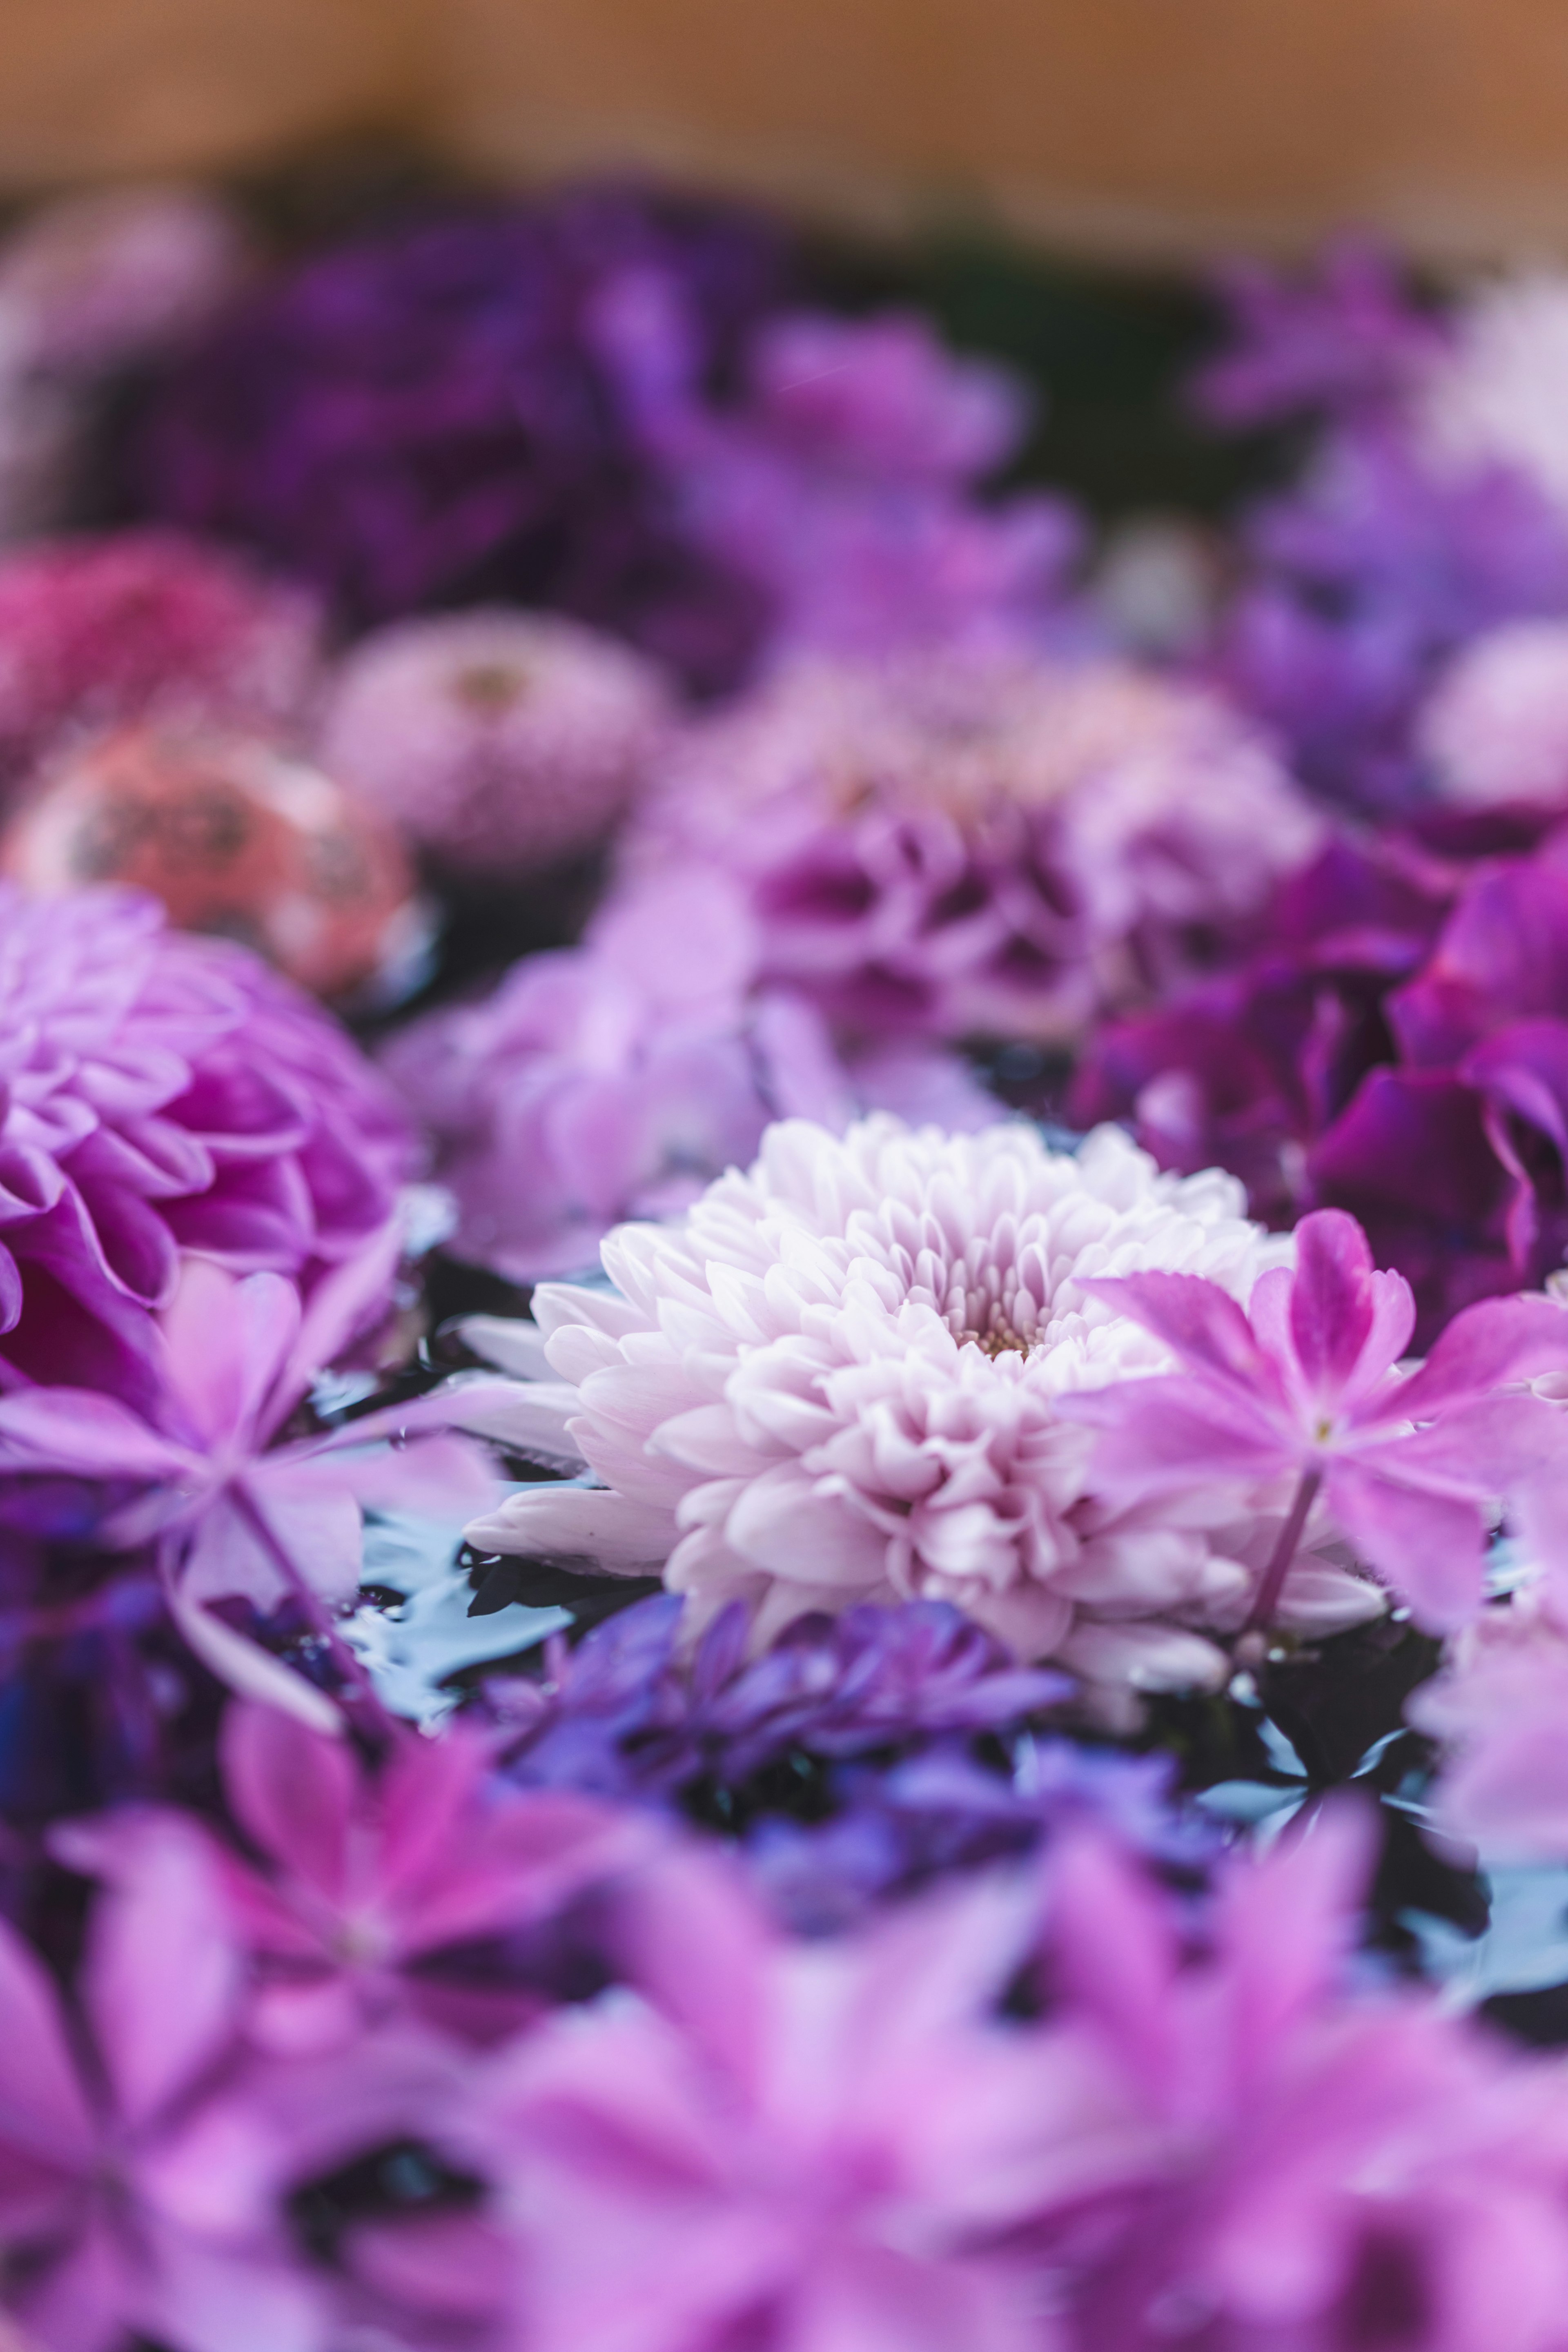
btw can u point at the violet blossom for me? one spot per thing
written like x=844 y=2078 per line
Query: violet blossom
x=829 y=2141
x=165 y=1094
x=132 y=624
x=138 y=2197
x=367 y=1878
x=499 y=742
x=1326 y=2166
x=1309 y=1382
x=233 y=1512
x=967 y=845
x=1345 y=340
x=844 y=483
x=1499 y=1710
x=615 y=1079
x=840 y=1379
x=858 y=1756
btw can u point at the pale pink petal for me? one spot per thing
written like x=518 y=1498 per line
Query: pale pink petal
x=588 y=1523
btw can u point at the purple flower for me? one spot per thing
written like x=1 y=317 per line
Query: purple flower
x=830 y=2144
x=1362 y=582
x=842 y=483
x=367 y=1878
x=1307 y=1382
x=1320 y=2167
x=233 y=1513
x=962 y=845
x=1246 y=1070
x=1495 y=730
x=499 y=742
x=453 y=412
x=1344 y=341
x=140 y=623
x=164 y=1095
x=134 y=2196
x=624 y=1073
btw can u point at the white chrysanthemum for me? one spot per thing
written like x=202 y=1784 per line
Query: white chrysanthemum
x=837 y=1380
x=1495 y=730
x=1499 y=394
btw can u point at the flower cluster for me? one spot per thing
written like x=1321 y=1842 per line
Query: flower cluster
x=783 y=1789
x=471 y=2063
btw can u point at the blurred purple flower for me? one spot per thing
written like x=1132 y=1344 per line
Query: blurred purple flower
x=96 y=281
x=1342 y=342
x=621 y=1076
x=1308 y=1380
x=500 y=742
x=843 y=484
x=1322 y=2168
x=1362 y=582
x=165 y=1094
x=1246 y=1070
x=453 y=412
x=137 y=623
x=827 y=2144
x=134 y=2197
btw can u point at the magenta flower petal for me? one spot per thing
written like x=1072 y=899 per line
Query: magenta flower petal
x=1428 y=1546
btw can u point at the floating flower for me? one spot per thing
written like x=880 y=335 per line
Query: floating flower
x=235 y=1514
x=499 y=742
x=134 y=2197
x=1326 y=2166
x=138 y=624
x=165 y=1094
x=829 y=2141
x=234 y=836
x=843 y=483
x=1310 y=1380
x=839 y=1381
x=1496 y=728
x=980 y=846
x=616 y=1078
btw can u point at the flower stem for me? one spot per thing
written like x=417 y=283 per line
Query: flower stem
x=1284 y=1552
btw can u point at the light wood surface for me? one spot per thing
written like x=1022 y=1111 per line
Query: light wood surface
x=1137 y=126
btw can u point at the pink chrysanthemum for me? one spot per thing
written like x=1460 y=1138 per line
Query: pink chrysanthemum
x=840 y=1382
x=977 y=844
x=164 y=1094
x=1496 y=728
x=502 y=741
x=97 y=630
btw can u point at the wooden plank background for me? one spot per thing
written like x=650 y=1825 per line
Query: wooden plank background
x=1138 y=127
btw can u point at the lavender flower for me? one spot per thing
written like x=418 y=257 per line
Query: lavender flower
x=622 y=1074
x=165 y=1094
x=1495 y=730
x=499 y=742
x=965 y=845
x=1345 y=340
